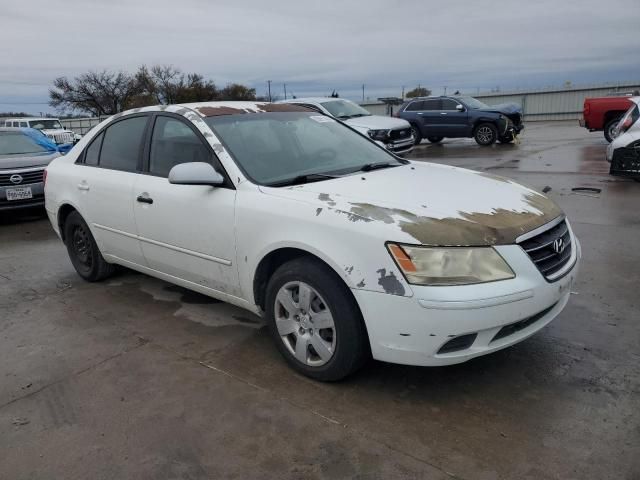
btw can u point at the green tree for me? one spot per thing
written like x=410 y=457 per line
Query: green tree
x=418 y=92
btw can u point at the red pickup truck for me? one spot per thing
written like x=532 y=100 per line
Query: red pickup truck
x=603 y=113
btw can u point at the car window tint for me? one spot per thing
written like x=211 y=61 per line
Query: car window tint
x=172 y=143
x=23 y=124
x=448 y=104
x=432 y=105
x=415 y=106
x=121 y=144
x=92 y=153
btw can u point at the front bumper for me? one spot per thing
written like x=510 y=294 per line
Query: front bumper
x=413 y=330
x=625 y=161
x=401 y=146
x=37 y=190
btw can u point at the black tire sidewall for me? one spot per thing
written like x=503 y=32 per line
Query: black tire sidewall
x=90 y=274
x=417 y=135
x=351 y=339
x=608 y=126
x=493 y=129
x=435 y=139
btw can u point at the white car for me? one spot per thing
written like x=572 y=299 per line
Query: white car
x=624 y=151
x=394 y=133
x=346 y=250
x=51 y=127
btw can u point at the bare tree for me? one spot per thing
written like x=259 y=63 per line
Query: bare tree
x=235 y=91
x=418 y=92
x=98 y=93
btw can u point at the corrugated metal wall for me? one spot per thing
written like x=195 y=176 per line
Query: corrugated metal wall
x=558 y=104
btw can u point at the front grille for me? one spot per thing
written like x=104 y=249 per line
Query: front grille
x=458 y=343
x=400 y=134
x=508 y=330
x=550 y=250
x=34 y=176
x=64 y=137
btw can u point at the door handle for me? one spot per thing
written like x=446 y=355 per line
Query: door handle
x=145 y=199
x=83 y=186
x=443 y=113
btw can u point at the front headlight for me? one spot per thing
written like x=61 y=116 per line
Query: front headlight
x=449 y=265
x=378 y=134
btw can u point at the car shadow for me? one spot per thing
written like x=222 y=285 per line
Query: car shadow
x=26 y=215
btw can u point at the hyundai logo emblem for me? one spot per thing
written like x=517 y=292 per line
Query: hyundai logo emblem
x=15 y=179
x=558 y=245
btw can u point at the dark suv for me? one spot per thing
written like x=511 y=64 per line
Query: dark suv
x=435 y=118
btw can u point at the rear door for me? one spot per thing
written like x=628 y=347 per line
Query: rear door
x=111 y=163
x=186 y=231
x=429 y=117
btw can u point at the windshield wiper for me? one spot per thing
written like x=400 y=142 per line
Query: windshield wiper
x=307 y=178
x=367 y=167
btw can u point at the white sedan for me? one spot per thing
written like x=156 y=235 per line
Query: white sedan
x=347 y=250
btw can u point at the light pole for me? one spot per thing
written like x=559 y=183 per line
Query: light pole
x=269 y=84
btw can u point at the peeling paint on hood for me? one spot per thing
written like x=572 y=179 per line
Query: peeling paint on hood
x=432 y=204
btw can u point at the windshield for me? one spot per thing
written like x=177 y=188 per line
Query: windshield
x=472 y=102
x=272 y=148
x=12 y=143
x=344 y=109
x=45 y=124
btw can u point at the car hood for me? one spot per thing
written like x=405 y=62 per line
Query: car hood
x=25 y=161
x=377 y=122
x=506 y=108
x=432 y=204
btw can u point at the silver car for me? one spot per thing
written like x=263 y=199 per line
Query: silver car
x=23 y=159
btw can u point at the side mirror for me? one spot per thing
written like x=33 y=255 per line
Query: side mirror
x=459 y=108
x=195 y=173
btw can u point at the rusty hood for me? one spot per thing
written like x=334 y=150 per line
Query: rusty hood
x=431 y=204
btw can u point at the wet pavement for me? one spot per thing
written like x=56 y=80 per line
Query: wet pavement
x=135 y=378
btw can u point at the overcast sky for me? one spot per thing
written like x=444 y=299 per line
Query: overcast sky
x=318 y=46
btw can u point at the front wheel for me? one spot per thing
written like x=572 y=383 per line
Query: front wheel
x=486 y=134
x=417 y=135
x=315 y=321
x=83 y=250
x=609 y=129
x=434 y=139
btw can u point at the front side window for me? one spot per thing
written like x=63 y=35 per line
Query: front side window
x=448 y=104
x=343 y=109
x=273 y=148
x=172 y=143
x=14 y=143
x=122 y=144
x=432 y=105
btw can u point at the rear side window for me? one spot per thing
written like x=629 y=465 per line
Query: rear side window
x=122 y=144
x=23 y=124
x=92 y=153
x=415 y=106
x=172 y=143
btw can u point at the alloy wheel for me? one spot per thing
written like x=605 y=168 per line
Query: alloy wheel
x=485 y=134
x=305 y=323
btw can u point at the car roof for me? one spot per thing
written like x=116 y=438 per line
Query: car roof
x=213 y=109
x=313 y=100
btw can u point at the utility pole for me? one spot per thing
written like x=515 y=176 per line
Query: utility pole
x=269 y=84
x=363 y=93
x=445 y=90
x=285 y=91
x=403 y=92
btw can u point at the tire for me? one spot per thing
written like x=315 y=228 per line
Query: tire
x=485 y=134
x=417 y=135
x=342 y=343
x=508 y=138
x=608 y=129
x=434 y=139
x=83 y=250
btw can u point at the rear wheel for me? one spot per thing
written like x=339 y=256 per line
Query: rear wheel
x=315 y=321
x=434 y=139
x=417 y=135
x=486 y=134
x=609 y=129
x=83 y=250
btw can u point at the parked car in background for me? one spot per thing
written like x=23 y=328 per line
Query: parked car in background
x=435 y=118
x=603 y=114
x=394 y=133
x=51 y=127
x=23 y=158
x=624 y=151
x=346 y=249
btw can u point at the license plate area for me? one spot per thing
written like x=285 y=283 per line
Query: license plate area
x=19 y=193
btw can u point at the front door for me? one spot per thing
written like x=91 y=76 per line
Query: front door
x=186 y=231
x=453 y=122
